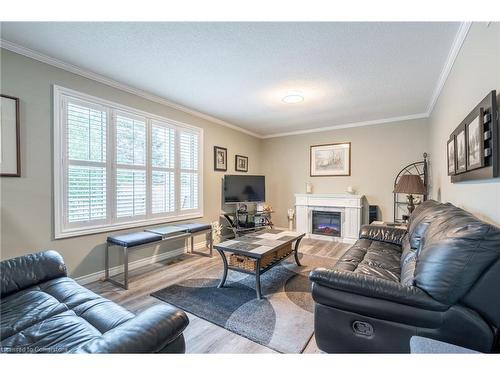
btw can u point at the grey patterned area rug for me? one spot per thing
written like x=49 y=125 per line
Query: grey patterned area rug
x=282 y=320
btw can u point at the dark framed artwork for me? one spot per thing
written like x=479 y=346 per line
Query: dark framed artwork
x=330 y=160
x=461 y=151
x=475 y=142
x=241 y=163
x=10 y=149
x=452 y=160
x=220 y=158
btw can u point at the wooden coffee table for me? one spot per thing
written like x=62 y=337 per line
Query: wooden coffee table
x=256 y=246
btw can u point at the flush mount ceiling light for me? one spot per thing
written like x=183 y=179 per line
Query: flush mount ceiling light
x=293 y=98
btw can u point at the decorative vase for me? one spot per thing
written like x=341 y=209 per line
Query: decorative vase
x=216 y=232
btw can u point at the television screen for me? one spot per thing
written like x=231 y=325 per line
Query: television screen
x=244 y=188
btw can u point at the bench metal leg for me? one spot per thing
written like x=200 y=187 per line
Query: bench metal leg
x=107 y=277
x=210 y=244
x=106 y=262
x=125 y=266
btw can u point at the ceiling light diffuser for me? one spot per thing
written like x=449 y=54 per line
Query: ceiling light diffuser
x=293 y=98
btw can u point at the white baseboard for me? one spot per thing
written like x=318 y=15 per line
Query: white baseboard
x=99 y=275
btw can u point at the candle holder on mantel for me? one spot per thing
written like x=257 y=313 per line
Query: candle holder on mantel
x=309 y=188
x=291 y=215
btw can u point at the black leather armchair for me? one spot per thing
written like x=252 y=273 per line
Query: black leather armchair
x=437 y=280
x=44 y=311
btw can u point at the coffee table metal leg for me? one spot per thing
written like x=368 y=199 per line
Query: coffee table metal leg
x=297 y=252
x=257 y=280
x=224 y=274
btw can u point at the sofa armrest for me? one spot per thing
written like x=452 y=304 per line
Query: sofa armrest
x=148 y=332
x=29 y=270
x=383 y=233
x=375 y=287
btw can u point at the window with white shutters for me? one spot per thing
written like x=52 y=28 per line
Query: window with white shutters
x=162 y=168
x=85 y=165
x=116 y=167
x=188 y=170
x=130 y=193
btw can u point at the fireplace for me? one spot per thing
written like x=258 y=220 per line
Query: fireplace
x=326 y=223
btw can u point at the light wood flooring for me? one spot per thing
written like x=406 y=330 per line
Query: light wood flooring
x=201 y=336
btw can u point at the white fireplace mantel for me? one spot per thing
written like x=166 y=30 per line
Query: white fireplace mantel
x=350 y=207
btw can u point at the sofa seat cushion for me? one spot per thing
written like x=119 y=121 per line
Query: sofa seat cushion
x=373 y=258
x=59 y=333
x=57 y=315
x=134 y=239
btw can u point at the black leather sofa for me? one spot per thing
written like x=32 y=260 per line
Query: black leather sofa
x=44 y=311
x=439 y=280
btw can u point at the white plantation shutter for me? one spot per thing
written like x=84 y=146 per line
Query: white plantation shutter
x=130 y=194
x=116 y=167
x=86 y=163
x=162 y=168
x=188 y=144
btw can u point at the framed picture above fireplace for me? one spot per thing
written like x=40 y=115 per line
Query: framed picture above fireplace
x=331 y=160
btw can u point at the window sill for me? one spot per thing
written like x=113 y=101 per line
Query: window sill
x=120 y=226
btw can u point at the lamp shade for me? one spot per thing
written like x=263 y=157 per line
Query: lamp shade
x=410 y=184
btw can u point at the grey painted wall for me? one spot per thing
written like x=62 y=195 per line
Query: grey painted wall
x=26 y=202
x=475 y=73
x=378 y=153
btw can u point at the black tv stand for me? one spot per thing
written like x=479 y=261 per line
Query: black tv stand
x=243 y=220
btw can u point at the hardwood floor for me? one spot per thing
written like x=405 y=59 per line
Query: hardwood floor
x=201 y=335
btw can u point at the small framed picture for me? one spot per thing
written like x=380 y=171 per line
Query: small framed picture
x=461 y=151
x=220 y=159
x=475 y=143
x=331 y=160
x=10 y=151
x=451 y=157
x=241 y=163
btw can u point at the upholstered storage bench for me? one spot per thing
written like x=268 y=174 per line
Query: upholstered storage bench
x=44 y=311
x=148 y=237
x=438 y=280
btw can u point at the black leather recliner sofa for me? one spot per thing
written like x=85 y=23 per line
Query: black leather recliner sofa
x=440 y=279
x=44 y=311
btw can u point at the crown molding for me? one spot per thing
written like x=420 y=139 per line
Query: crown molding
x=462 y=32
x=350 y=125
x=115 y=84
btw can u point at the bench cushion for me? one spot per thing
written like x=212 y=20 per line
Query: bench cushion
x=134 y=239
x=195 y=227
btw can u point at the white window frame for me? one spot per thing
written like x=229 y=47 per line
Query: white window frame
x=62 y=229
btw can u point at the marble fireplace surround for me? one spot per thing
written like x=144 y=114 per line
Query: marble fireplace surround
x=349 y=206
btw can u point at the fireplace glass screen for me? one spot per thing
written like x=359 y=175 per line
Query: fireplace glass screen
x=326 y=223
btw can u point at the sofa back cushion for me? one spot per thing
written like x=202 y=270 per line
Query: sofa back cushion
x=25 y=271
x=419 y=221
x=455 y=250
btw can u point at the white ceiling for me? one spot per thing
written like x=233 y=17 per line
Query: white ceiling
x=239 y=72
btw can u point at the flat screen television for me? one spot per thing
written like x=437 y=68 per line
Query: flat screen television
x=244 y=188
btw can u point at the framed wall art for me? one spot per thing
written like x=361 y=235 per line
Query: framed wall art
x=330 y=160
x=451 y=157
x=477 y=143
x=220 y=159
x=10 y=152
x=461 y=151
x=241 y=163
